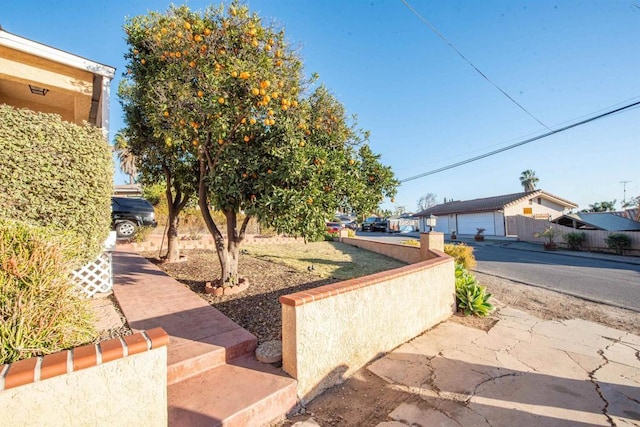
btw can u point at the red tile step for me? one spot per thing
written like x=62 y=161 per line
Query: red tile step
x=243 y=392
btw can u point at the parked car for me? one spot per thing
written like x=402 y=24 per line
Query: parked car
x=374 y=224
x=379 y=225
x=333 y=227
x=127 y=214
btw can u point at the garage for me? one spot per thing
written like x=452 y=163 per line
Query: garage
x=469 y=223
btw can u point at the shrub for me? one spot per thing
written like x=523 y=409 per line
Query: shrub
x=471 y=298
x=54 y=173
x=575 y=239
x=410 y=242
x=462 y=253
x=330 y=237
x=40 y=311
x=142 y=234
x=618 y=242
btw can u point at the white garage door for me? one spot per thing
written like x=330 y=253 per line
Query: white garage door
x=469 y=223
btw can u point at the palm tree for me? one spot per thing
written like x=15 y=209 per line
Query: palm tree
x=126 y=157
x=528 y=179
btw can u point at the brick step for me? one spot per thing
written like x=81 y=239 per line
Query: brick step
x=188 y=357
x=243 y=392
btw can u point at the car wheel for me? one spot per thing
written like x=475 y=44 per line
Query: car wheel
x=125 y=229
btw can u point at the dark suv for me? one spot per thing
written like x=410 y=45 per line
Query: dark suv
x=127 y=214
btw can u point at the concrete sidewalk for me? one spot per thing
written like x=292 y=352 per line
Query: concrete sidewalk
x=523 y=372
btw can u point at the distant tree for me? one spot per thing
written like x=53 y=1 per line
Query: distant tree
x=126 y=157
x=427 y=201
x=601 y=207
x=528 y=180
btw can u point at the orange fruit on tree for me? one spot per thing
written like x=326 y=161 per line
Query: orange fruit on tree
x=269 y=171
x=200 y=94
x=221 y=100
x=178 y=54
x=207 y=32
x=234 y=74
x=220 y=141
x=252 y=121
x=192 y=64
x=243 y=121
x=187 y=25
x=255 y=91
x=351 y=161
x=301 y=143
x=267 y=47
x=310 y=201
x=143 y=61
x=197 y=38
x=246 y=138
x=265 y=84
x=166 y=114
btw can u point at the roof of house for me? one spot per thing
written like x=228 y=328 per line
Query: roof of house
x=607 y=221
x=488 y=204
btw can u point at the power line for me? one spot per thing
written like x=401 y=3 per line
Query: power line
x=526 y=141
x=444 y=39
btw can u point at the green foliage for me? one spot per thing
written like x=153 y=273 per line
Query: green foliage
x=330 y=237
x=618 y=242
x=462 y=254
x=154 y=193
x=549 y=233
x=40 y=312
x=604 y=206
x=142 y=234
x=58 y=174
x=470 y=296
x=575 y=239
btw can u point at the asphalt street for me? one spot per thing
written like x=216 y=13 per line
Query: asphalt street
x=594 y=279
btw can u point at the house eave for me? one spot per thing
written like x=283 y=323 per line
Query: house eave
x=22 y=44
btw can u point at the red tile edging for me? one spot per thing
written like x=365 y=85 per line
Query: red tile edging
x=40 y=368
x=326 y=291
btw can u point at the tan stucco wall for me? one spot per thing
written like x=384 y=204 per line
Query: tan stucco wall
x=408 y=254
x=547 y=207
x=126 y=392
x=328 y=339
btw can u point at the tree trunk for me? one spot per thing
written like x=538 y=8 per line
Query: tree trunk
x=228 y=252
x=175 y=206
x=173 y=250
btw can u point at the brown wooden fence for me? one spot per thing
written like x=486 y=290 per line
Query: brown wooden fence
x=525 y=228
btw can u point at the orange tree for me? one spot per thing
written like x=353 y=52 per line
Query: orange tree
x=226 y=93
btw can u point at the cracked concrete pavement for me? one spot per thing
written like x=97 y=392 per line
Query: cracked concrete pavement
x=524 y=371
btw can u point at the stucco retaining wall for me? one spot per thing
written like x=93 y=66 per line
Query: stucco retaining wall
x=330 y=332
x=117 y=382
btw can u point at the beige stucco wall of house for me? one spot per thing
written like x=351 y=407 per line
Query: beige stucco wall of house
x=327 y=340
x=546 y=207
x=126 y=392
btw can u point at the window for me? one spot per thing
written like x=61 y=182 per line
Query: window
x=539 y=200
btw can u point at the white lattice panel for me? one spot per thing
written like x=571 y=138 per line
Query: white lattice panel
x=95 y=276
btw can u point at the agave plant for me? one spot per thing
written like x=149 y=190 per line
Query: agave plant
x=471 y=297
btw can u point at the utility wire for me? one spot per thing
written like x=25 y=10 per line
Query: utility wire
x=526 y=141
x=444 y=39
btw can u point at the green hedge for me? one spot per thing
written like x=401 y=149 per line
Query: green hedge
x=40 y=312
x=55 y=173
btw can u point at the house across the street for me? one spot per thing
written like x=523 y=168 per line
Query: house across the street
x=494 y=214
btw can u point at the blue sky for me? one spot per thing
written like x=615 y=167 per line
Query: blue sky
x=425 y=107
